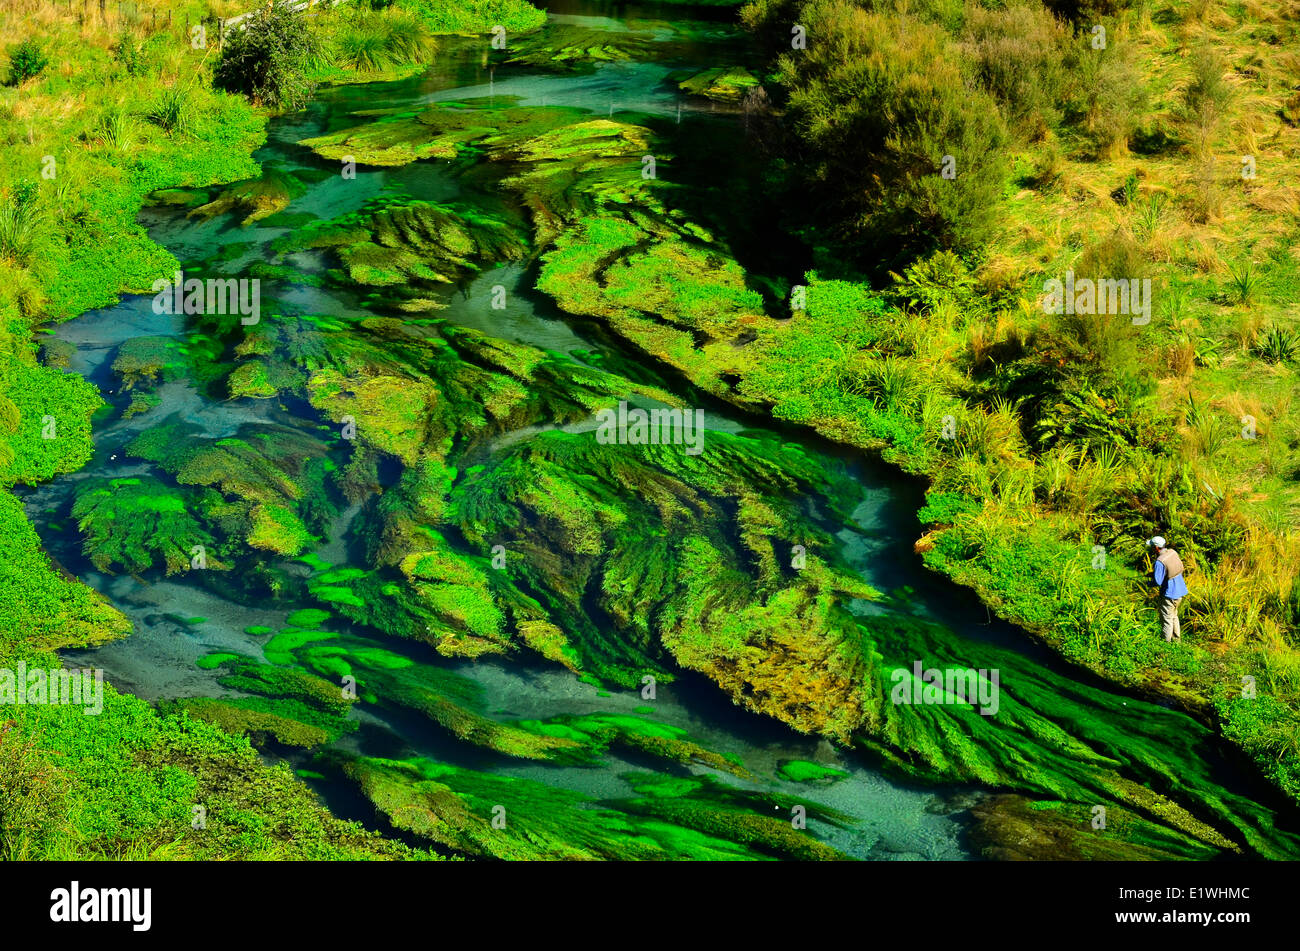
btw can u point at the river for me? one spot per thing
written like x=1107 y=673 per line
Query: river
x=1061 y=736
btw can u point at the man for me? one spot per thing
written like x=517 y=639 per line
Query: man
x=1167 y=578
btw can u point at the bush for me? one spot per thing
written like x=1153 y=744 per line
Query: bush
x=266 y=58
x=1208 y=94
x=1206 y=98
x=26 y=60
x=1109 y=99
x=1087 y=12
x=1277 y=345
x=875 y=105
x=1020 y=54
x=138 y=59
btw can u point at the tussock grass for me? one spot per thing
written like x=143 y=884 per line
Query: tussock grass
x=371 y=42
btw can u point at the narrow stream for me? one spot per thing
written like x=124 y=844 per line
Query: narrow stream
x=177 y=622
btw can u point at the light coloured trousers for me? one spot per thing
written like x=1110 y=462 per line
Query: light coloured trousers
x=1169 y=625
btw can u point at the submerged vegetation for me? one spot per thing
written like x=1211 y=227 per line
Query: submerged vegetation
x=80 y=165
x=411 y=493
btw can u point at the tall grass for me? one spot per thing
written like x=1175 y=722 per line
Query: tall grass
x=22 y=225
x=174 y=111
x=1056 y=469
x=890 y=383
x=117 y=128
x=1208 y=433
x=1150 y=215
x=1243 y=283
x=372 y=42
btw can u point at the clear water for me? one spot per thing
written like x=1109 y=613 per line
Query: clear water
x=894 y=819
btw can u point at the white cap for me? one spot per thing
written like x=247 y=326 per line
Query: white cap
x=1157 y=542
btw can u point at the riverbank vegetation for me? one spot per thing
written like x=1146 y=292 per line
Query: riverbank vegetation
x=1057 y=443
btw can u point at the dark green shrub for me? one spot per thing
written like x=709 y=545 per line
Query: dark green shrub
x=875 y=106
x=26 y=60
x=1087 y=12
x=266 y=56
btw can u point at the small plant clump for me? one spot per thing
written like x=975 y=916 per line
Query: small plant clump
x=27 y=60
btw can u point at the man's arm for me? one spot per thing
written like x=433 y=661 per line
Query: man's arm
x=1158 y=575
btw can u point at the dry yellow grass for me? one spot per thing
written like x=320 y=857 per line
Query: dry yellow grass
x=101 y=23
x=1197 y=218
